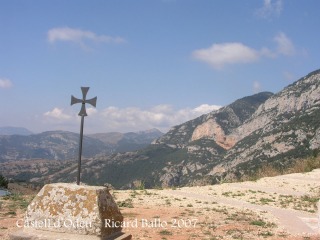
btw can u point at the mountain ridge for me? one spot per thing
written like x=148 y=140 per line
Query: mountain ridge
x=14 y=131
x=164 y=163
x=236 y=112
x=278 y=129
x=227 y=144
x=285 y=124
x=63 y=145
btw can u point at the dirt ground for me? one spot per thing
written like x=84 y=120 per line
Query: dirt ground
x=13 y=207
x=281 y=207
x=187 y=218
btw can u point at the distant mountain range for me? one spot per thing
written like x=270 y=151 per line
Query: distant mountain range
x=14 y=131
x=125 y=142
x=227 y=144
x=62 y=145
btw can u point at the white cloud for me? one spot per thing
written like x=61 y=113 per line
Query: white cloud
x=222 y=54
x=284 y=45
x=91 y=111
x=58 y=114
x=127 y=119
x=162 y=117
x=79 y=36
x=256 y=87
x=5 y=83
x=270 y=9
x=206 y=108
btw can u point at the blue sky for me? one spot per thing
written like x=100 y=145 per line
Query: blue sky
x=151 y=63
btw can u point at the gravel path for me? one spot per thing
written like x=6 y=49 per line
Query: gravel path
x=295 y=222
x=240 y=195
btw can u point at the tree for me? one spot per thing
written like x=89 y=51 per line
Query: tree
x=3 y=182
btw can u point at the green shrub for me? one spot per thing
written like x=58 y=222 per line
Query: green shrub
x=126 y=203
x=3 y=182
x=259 y=222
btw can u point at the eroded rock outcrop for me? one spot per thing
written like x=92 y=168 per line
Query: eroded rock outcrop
x=212 y=130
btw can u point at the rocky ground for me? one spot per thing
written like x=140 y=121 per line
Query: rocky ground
x=283 y=207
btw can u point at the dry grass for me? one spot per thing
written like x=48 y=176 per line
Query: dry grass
x=305 y=165
x=299 y=166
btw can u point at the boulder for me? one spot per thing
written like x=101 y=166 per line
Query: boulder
x=73 y=209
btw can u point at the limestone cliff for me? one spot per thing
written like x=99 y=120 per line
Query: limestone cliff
x=217 y=125
x=285 y=127
x=212 y=130
x=277 y=130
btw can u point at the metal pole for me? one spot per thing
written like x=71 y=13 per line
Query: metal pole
x=82 y=113
x=80 y=150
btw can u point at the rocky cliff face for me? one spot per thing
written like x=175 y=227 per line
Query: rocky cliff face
x=285 y=127
x=217 y=125
x=205 y=140
x=212 y=130
x=264 y=128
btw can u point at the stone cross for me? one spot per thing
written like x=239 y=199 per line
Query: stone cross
x=82 y=113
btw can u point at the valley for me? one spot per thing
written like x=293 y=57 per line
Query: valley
x=229 y=144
